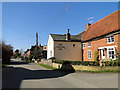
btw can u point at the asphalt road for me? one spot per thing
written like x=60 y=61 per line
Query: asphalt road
x=22 y=75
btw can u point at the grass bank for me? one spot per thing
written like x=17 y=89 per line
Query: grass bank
x=48 y=67
x=104 y=71
x=4 y=65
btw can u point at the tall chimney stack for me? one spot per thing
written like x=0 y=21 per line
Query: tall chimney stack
x=68 y=35
x=36 y=39
x=87 y=26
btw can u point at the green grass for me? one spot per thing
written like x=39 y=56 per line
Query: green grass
x=48 y=67
x=104 y=71
x=4 y=65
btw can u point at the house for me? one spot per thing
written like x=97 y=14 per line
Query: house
x=40 y=51
x=27 y=53
x=44 y=52
x=102 y=36
x=65 y=47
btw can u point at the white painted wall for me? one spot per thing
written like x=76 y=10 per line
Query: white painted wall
x=50 y=47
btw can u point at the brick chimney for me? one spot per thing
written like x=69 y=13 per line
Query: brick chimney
x=87 y=26
x=68 y=35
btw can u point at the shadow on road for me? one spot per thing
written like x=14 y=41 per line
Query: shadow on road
x=12 y=76
x=18 y=63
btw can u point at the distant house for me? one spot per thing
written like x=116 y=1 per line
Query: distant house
x=27 y=53
x=65 y=47
x=44 y=52
x=40 y=51
x=102 y=36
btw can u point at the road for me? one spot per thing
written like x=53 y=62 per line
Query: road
x=23 y=75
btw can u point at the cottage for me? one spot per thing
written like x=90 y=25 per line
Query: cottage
x=102 y=36
x=65 y=47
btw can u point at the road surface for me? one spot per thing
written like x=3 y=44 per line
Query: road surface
x=23 y=75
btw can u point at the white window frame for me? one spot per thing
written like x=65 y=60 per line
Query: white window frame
x=88 y=44
x=111 y=51
x=110 y=37
x=89 y=57
x=83 y=45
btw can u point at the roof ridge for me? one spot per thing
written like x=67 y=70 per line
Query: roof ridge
x=105 y=17
x=56 y=34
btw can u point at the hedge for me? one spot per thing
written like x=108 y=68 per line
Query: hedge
x=110 y=63
x=84 y=63
x=89 y=63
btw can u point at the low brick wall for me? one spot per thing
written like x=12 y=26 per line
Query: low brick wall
x=80 y=67
x=46 y=62
x=56 y=65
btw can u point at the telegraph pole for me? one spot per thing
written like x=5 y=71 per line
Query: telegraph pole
x=36 y=39
x=36 y=48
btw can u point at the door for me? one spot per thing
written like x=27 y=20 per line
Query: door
x=103 y=54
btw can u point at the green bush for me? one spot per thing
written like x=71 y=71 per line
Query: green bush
x=111 y=63
x=7 y=52
x=30 y=57
x=96 y=56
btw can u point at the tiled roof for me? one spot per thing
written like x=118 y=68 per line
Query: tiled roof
x=104 y=26
x=58 y=37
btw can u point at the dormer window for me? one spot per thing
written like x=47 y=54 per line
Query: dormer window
x=89 y=44
x=110 y=39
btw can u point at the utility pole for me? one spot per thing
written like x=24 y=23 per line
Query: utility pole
x=36 y=39
x=36 y=48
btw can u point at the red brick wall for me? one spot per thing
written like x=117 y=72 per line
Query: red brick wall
x=99 y=43
x=118 y=42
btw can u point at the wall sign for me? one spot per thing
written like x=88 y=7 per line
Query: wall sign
x=60 y=47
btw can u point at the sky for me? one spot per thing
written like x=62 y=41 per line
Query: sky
x=21 y=20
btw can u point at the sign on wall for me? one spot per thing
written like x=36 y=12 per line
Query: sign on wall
x=60 y=47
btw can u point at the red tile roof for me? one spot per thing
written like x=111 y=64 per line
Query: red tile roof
x=104 y=26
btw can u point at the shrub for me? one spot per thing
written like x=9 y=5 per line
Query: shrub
x=96 y=56
x=7 y=52
x=30 y=57
x=118 y=55
x=52 y=58
x=111 y=63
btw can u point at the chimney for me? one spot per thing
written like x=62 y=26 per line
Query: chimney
x=87 y=26
x=68 y=35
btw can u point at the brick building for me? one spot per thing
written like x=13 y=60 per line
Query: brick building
x=102 y=36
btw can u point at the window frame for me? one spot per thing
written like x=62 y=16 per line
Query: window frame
x=90 y=54
x=89 y=43
x=108 y=55
x=83 y=45
x=109 y=39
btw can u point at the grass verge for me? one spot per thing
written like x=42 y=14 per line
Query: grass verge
x=4 y=65
x=99 y=71
x=48 y=67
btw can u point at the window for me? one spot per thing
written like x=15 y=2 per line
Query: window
x=111 y=53
x=60 y=44
x=51 y=53
x=89 y=44
x=74 y=45
x=83 y=45
x=110 y=39
x=103 y=52
x=89 y=54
